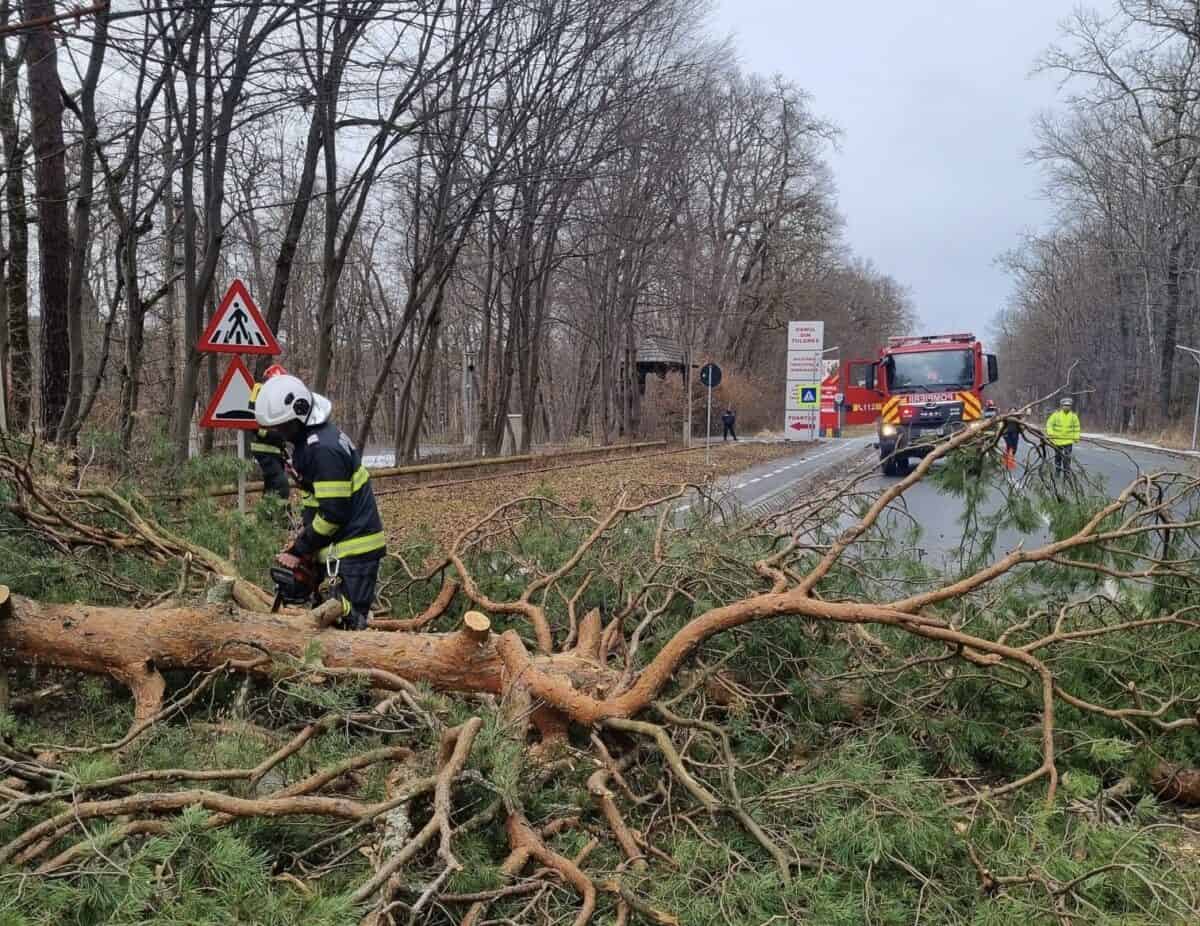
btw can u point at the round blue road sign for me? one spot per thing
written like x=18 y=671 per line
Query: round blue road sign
x=710 y=375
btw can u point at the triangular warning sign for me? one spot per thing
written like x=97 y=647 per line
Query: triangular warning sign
x=238 y=327
x=230 y=407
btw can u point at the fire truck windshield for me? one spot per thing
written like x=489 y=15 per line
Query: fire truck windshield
x=933 y=370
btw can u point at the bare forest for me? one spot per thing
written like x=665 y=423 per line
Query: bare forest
x=449 y=212
x=1112 y=284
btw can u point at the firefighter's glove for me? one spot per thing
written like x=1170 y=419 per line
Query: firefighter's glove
x=289 y=560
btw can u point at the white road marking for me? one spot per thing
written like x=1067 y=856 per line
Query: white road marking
x=770 y=493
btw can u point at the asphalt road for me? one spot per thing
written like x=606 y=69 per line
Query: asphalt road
x=785 y=476
x=938 y=514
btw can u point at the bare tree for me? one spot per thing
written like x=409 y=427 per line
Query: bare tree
x=17 y=348
x=1122 y=165
x=61 y=331
x=224 y=45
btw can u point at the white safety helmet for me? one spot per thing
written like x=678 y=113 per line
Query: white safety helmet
x=285 y=398
x=1067 y=402
x=322 y=409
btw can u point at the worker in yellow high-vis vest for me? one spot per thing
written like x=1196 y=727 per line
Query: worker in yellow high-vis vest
x=1062 y=430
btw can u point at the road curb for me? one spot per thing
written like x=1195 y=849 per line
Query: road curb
x=1123 y=444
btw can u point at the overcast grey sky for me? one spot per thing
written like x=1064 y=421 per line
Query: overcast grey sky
x=936 y=103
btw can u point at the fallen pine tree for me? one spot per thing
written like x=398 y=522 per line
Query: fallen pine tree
x=608 y=686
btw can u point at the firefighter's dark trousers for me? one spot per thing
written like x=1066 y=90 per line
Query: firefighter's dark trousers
x=275 y=478
x=729 y=432
x=355 y=584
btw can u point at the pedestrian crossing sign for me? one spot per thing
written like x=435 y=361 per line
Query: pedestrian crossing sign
x=805 y=395
x=238 y=326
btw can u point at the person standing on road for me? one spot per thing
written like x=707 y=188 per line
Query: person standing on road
x=1062 y=429
x=728 y=419
x=1012 y=437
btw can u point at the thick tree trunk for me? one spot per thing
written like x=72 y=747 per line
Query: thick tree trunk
x=54 y=234
x=134 y=646
x=81 y=242
x=131 y=373
x=291 y=236
x=331 y=265
x=187 y=111
x=429 y=346
x=170 y=300
x=1128 y=358
x=16 y=278
x=1170 y=332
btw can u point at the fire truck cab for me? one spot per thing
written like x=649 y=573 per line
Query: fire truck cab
x=925 y=388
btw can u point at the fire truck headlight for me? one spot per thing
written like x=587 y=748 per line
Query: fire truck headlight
x=888 y=430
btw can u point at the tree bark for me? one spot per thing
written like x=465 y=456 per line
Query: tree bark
x=214 y=134
x=125 y=643
x=291 y=236
x=326 y=79
x=81 y=243
x=54 y=233
x=17 y=357
x=1170 y=330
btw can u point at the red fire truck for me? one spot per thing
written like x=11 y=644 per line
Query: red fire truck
x=919 y=390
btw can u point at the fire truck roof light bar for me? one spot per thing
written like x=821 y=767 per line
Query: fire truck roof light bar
x=930 y=339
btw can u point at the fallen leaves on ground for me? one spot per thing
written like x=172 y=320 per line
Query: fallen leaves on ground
x=439 y=514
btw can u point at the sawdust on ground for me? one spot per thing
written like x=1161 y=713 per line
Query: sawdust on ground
x=441 y=513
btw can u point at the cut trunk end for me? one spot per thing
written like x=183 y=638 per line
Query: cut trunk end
x=476 y=627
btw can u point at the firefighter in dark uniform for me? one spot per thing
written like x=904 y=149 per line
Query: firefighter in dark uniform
x=342 y=529
x=269 y=450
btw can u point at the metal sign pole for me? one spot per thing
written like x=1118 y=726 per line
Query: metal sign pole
x=708 y=429
x=241 y=471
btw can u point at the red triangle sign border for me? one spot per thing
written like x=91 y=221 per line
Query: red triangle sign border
x=208 y=420
x=237 y=289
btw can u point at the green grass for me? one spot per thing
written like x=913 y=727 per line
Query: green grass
x=850 y=765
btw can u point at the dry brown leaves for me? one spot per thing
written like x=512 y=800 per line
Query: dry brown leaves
x=442 y=512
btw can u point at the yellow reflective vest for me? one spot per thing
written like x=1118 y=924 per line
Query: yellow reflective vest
x=1062 y=427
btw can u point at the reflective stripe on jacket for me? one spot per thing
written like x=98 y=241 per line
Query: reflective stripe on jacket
x=264 y=443
x=267 y=443
x=339 y=512
x=1062 y=428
